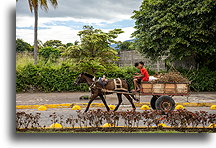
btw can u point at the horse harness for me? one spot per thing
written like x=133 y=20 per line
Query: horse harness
x=117 y=84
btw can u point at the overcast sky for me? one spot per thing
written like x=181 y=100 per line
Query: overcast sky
x=64 y=22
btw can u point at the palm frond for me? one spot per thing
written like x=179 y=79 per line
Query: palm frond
x=54 y=3
x=30 y=5
x=43 y=4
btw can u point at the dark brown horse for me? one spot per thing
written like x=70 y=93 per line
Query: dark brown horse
x=96 y=90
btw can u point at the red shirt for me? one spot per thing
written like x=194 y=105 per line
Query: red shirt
x=145 y=74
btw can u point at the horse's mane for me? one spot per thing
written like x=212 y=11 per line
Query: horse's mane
x=88 y=75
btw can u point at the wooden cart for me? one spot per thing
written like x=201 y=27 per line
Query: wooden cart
x=163 y=93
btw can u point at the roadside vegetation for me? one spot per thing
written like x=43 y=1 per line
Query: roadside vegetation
x=104 y=121
x=163 y=28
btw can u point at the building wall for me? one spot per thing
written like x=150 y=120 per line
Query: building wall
x=128 y=58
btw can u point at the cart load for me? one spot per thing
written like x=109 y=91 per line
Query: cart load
x=170 y=77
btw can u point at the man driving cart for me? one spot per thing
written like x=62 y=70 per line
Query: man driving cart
x=139 y=77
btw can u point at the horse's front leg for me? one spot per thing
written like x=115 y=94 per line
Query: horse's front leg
x=104 y=102
x=93 y=96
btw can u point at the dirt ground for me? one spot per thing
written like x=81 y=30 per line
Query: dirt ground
x=73 y=97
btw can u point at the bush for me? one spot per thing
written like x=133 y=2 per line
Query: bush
x=47 y=79
x=52 y=78
x=201 y=80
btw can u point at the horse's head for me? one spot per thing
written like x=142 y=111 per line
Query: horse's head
x=83 y=78
x=79 y=79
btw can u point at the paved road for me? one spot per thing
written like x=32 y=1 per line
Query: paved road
x=73 y=97
x=58 y=98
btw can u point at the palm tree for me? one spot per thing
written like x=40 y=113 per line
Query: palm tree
x=33 y=5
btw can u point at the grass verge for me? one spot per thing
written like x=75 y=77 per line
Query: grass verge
x=119 y=130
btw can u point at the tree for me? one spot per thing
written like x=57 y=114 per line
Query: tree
x=94 y=53
x=23 y=46
x=33 y=5
x=49 y=54
x=126 y=45
x=53 y=43
x=176 y=28
x=69 y=44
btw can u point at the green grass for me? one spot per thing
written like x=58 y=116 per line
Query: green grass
x=53 y=131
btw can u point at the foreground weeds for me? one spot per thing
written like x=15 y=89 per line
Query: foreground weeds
x=93 y=120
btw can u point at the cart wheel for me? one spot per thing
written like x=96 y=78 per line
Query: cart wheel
x=165 y=103
x=153 y=100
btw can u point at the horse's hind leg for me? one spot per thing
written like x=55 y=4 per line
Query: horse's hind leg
x=90 y=101
x=130 y=100
x=104 y=102
x=132 y=96
x=120 y=101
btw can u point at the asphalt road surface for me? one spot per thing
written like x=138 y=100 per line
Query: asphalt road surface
x=73 y=97
x=58 y=98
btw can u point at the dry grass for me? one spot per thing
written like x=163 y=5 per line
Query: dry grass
x=23 y=59
x=174 y=77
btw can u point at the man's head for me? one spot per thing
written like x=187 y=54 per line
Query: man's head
x=137 y=65
x=140 y=64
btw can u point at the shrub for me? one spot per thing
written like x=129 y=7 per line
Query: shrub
x=47 y=79
x=201 y=80
x=51 y=78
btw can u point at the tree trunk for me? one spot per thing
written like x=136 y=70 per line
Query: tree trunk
x=35 y=34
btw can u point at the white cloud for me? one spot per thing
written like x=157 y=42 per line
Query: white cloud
x=62 y=33
x=127 y=34
x=59 y=32
x=24 y=21
x=85 y=12
x=25 y=34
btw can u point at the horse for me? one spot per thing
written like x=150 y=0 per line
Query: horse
x=96 y=90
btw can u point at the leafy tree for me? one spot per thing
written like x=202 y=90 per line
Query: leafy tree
x=69 y=44
x=23 y=46
x=126 y=45
x=49 y=54
x=94 y=53
x=53 y=43
x=33 y=5
x=177 y=28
